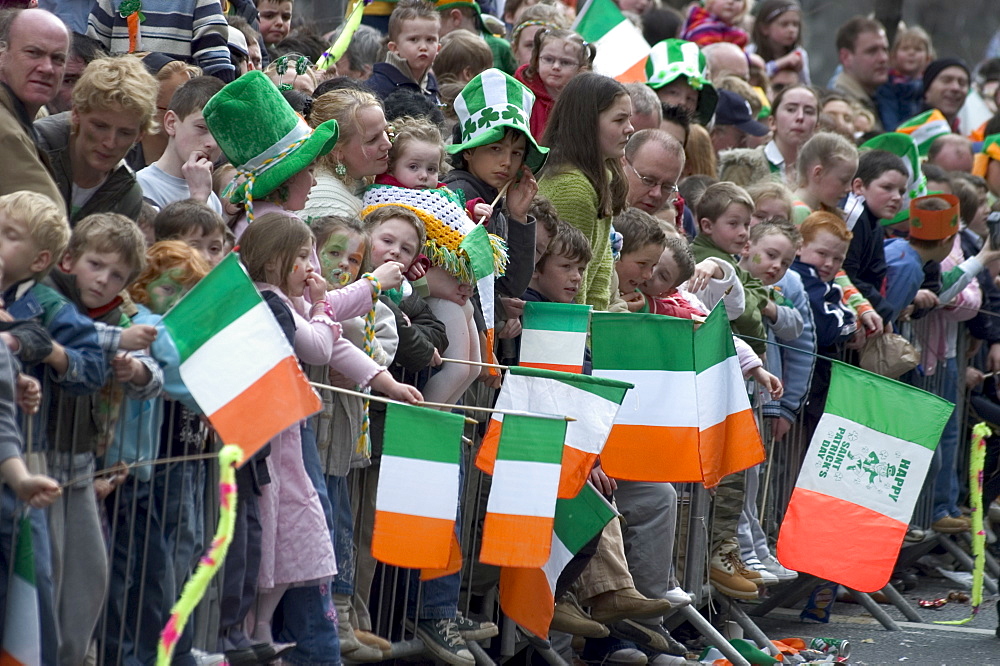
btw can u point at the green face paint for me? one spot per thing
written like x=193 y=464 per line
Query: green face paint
x=165 y=291
x=755 y=259
x=340 y=259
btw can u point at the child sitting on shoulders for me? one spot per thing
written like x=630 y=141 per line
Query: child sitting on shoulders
x=716 y=21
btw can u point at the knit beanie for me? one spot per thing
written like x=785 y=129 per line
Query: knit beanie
x=940 y=64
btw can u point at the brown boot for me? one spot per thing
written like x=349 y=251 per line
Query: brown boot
x=569 y=618
x=610 y=607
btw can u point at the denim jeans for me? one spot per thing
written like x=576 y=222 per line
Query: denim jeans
x=314 y=468
x=339 y=492
x=137 y=601
x=946 y=465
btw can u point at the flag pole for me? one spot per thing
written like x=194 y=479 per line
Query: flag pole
x=444 y=405
x=503 y=191
x=476 y=363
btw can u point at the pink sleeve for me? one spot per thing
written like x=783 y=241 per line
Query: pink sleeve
x=964 y=306
x=354 y=300
x=314 y=339
x=351 y=362
x=748 y=359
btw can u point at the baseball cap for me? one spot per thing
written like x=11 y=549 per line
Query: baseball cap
x=734 y=110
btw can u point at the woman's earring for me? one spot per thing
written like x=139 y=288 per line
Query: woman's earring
x=340 y=170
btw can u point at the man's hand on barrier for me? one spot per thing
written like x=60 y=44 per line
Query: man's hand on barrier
x=779 y=427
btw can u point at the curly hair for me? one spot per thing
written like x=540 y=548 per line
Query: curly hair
x=166 y=256
x=118 y=83
x=409 y=129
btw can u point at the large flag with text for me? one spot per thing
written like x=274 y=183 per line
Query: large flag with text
x=236 y=362
x=688 y=419
x=591 y=401
x=861 y=478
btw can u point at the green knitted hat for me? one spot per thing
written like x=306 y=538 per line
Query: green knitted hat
x=676 y=57
x=903 y=145
x=262 y=136
x=488 y=106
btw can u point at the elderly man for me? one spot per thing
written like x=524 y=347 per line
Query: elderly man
x=726 y=59
x=946 y=85
x=646 y=108
x=863 y=50
x=653 y=164
x=34 y=44
x=951 y=152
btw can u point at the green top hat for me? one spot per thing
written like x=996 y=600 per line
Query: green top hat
x=488 y=106
x=262 y=136
x=676 y=57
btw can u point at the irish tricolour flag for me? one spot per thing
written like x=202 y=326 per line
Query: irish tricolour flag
x=688 y=418
x=417 y=499
x=527 y=596
x=235 y=360
x=517 y=529
x=592 y=401
x=554 y=336
x=861 y=478
x=621 y=49
x=22 y=641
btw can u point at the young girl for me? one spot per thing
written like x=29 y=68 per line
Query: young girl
x=585 y=182
x=777 y=38
x=556 y=57
x=794 y=114
x=534 y=19
x=901 y=97
x=826 y=167
x=771 y=201
x=717 y=21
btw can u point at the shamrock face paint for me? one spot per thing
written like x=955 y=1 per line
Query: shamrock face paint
x=341 y=258
x=165 y=291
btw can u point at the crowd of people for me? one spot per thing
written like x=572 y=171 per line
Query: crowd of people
x=143 y=142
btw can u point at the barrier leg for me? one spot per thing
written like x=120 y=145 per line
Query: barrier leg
x=545 y=651
x=967 y=562
x=991 y=562
x=482 y=659
x=902 y=604
x=751 y=629
x=408 y=648
x=788 y=596
x=706 y=629
x=508 y=639
x=876 y=611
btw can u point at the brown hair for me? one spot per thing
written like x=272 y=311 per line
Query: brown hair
x=461 y=50
x=326 y=226
x=700 y=159
x=409 y=10
x=163 y=257
x=110 y=232
x=767 y=13
x=180 y=217
x=823 y=220
x=717 y=199
x=682 y=255
x=585 y=54
x=276 y=238
x=777 y=226
x=638 y=229
x=545 y=214
x=385 y=213
x=569 y=242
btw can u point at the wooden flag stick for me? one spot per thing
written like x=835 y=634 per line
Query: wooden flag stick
x=378 y=398
x=476 y=363
x=503 y=191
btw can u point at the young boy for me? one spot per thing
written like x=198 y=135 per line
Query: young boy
x=412 y=47
x=724 y=212
x=105 y=253
x=185 y=169
x=197 y=225
x=877 y=194
x=275 y=18
x=560 y=266
x=642 y=244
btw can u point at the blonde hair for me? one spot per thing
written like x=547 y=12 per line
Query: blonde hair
x=461 y=50
x=175 y=67
x=718 y=197
x=699 y=154
x=824 y=149
x=166 y=256
x=118 y=82
x=823 y=220
x=343 y=105
x=768 y=190
x=777 y=227
x=46 y=222
x=409 y=129
x=914 y=34
x=110 y=232
x=547 y=16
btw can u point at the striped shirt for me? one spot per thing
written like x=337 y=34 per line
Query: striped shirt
x=191 y=30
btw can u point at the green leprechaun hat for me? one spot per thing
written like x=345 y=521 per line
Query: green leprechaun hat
x=263 y=137
x=903 y=145
x=488 y=106
x=676 y=57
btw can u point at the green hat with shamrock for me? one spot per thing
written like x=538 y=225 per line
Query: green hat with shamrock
x=903 y=145
x=676 y=57
x=491 y=104
x=263 y=137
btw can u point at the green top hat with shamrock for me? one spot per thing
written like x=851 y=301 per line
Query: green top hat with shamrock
x=263 y=137
x=489 y=105
x=672 y=58
x=899 y=143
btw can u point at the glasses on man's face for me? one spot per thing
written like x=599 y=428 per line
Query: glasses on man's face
x=652 y=183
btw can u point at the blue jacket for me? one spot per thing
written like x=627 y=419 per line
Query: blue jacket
x=387 y=78
x=904 y=275
x=833 y=321
x=795 y=368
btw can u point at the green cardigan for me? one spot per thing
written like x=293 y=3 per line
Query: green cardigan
x=576 y=201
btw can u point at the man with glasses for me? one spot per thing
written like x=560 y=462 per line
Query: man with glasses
x=653 y=164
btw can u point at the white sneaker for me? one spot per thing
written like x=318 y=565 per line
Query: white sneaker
x=784 y=574
x=203 y=658
x=678 y=597
x=626 y=657
x=759 y=575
